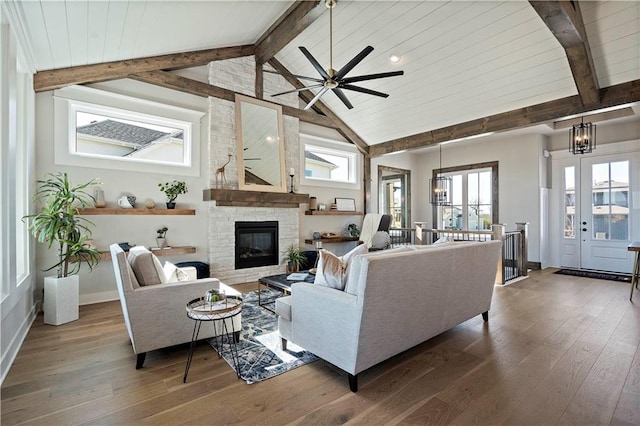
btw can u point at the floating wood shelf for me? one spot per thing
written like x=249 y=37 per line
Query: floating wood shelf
x=106 y=255
x=331 y=213
x=139 y=212
x=236 y=198
x=332 y=240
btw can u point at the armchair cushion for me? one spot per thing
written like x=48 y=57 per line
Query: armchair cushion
x=146 y=266
x=173 y=274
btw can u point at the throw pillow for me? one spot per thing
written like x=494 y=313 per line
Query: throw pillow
x=443 y=240
x=173 y=274
x=380 y=241
x=331 y=271
x=146 y=266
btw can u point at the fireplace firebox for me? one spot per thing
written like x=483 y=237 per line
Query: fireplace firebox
x=256 y=244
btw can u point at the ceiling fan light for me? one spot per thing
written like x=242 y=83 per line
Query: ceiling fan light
x=395 y=58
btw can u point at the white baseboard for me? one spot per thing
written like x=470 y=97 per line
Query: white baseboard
x=106 y=296
x=16 y=343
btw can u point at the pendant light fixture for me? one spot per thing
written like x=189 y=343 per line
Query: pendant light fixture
x=583 y=138
x=440 y=187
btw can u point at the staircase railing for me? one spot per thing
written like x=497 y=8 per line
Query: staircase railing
x=512 y=263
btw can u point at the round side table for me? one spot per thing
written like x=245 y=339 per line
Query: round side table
x=220 y=314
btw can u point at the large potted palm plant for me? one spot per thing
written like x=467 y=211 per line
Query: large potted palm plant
x=58 y=223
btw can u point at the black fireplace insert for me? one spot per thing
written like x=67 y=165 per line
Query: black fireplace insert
x=256 y=244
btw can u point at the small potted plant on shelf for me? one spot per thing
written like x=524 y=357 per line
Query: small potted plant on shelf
x=172 y=190
x=58 y=221
x=294 y=258
x=161 y=239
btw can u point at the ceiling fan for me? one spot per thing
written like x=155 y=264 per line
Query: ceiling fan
x=336 y=80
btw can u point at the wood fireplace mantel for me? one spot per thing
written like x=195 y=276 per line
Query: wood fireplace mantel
x=237 y=198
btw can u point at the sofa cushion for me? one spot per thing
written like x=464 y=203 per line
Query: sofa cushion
x=283 y=307
x=146 y=266
x=332 y=270
x=173 y=274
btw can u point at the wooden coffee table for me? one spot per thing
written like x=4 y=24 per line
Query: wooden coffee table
x=278 y=282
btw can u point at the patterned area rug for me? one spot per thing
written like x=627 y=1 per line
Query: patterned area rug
x=259 y=351
x=595 y=274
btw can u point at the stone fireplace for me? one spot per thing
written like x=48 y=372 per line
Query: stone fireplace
x=239 y=75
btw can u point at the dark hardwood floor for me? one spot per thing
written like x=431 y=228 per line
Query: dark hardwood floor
x=557 y=350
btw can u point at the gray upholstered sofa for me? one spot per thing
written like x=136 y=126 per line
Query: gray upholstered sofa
x=155 y=314
x=393 y=300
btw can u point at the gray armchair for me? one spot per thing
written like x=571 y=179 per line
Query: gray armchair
x=155 y=315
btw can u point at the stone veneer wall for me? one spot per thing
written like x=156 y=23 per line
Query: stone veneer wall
x=239 y=75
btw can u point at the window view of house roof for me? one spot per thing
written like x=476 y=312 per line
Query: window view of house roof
x=123 y=132
x=311 y=156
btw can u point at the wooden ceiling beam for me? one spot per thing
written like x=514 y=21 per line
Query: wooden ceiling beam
x=619 y=94
x=564 y=19
x=198 y=88
x=322 y=108
x=57 y=78
x=294 y=21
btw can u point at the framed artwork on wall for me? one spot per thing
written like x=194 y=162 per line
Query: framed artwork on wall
x=346 y=204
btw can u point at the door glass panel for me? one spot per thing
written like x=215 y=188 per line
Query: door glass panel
x=569 y=202
x=610 y=200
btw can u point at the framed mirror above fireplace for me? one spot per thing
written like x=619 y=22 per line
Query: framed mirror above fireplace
x=260 y=147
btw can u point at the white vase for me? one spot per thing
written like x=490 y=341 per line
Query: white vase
x=162 y=242
x=61 y=299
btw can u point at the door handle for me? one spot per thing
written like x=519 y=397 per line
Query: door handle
x=584 y=229
x=584 y=223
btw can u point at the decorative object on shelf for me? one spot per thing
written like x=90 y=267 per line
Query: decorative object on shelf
x=440 y=187
x=172 y=190
x=333 y=206
x=58 y=222
x=353 y=230
x=583 y=138
x=294 y=257
x=322 y=207
x=292 y=173
x=126 y=246
x=98 y=194
x=220 y=173
x=90 y=243
x=345 y=204
x=316 y=235
x=127 y=201
x=149 y=204
x=313 y=203
x=161 y=239
x=330 y=235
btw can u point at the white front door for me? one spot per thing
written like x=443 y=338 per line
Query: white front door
x=599 y=218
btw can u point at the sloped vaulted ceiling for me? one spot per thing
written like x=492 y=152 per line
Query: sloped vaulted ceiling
x=463 y=60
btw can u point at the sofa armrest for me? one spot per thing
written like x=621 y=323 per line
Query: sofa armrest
x=326 y=322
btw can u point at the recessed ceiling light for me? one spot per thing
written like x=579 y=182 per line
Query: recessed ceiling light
x=394 y=58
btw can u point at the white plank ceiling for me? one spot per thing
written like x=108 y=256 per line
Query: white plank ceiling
x=462 y=59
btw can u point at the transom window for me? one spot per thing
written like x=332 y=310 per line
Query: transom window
x=327 y=162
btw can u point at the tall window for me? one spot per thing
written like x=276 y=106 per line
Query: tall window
x=22 y=188
x=474 y=199
x=569 y=202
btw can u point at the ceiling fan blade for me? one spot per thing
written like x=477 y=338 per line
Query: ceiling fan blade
x=301 y=77
x=315 y=99
x=315 y=63
x=371 y=76
x=363 y=90
x=340 y=94
x=313 y=86
x=352 y=63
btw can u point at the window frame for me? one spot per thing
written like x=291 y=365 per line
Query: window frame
x=332 y=147
x=470 y=168
x=70 y=100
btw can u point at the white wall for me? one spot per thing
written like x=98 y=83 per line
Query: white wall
x=18 y=307
x=99 y=285
x=519 y=170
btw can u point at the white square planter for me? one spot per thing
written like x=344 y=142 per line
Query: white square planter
x=61 y=299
